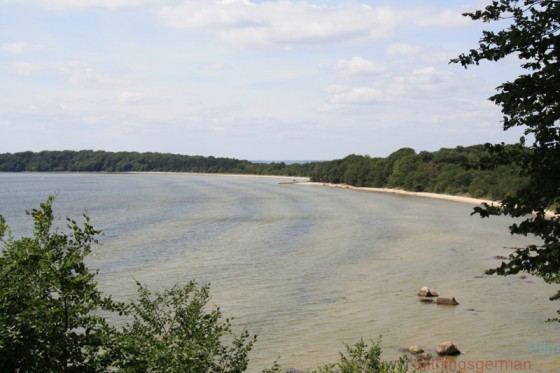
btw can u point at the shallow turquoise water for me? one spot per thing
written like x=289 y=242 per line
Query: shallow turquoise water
x=306 y=267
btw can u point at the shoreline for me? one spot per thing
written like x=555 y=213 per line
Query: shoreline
x=445 y=197
x=301 y=180
x=305 y=181
x=294 y=179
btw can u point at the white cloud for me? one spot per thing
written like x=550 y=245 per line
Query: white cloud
x=403 y=49
x=128 y=97
x=446 y=18
x=77 y=72
x=215 y=67
x=16 y=47
x=334 y=89
x=358 y=66
x=341 y=97
x=413 y=53
x=399 y=88
x=290 y=23
x=88 y=4
x=24 y=68
x=82 y=73
x=286 y=23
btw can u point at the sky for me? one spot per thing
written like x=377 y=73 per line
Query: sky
x=245 y=79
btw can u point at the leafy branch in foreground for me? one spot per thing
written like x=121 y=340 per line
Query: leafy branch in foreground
x=531 y=101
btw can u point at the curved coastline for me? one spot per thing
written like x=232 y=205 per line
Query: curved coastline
x=305 y=181
x=446 y=197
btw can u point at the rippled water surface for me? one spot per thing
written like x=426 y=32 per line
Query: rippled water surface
x=307 y=267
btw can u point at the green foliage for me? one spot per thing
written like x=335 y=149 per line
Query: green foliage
x=461 y=171
x=50 y=313
x=172 y=330
x=101 y=161
x=49 y=299
x=531 y=101
x=362 y=358
x=3 y=227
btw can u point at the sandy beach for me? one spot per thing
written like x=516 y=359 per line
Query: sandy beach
x=305 y=181
x=447 y=197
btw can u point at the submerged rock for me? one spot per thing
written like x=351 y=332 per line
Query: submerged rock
x=415 y=350
x=447 y=349
x=447 y=301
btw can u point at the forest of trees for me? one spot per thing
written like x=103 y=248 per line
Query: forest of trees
x=450 y=171
x=458 y=171
x=102 y=161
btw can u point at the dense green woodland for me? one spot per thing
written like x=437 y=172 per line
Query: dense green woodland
x=102 y=161
x=463 y=170
x=452 y=171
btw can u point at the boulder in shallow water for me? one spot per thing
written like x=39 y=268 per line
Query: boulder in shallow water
x=415 y=350
x=447 y=349
x=447 y=301
x=427 y=292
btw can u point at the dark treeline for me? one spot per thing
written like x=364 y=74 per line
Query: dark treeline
x=102 y=161
x=448 y=171
x=459 y=171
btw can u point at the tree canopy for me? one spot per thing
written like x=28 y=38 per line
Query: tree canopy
x=531 y=101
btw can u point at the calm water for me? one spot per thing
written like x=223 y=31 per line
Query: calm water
x=306 y=267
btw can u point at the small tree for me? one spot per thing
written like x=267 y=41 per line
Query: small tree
x=362 y=358
x=531 y=101
x=49 y=299
x=172 y=331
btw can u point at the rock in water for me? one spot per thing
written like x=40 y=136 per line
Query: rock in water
x=447 y=349
x=415 y=350
x=427 y=292
x=447 y=301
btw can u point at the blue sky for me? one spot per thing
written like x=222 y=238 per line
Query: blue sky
x=275 y=80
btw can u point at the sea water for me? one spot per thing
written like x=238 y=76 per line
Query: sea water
x=308 y=267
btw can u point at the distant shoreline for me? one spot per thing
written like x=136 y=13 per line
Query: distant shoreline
x=302 y=180
x=305 y=181
x=294 y=179
x=445 y=197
